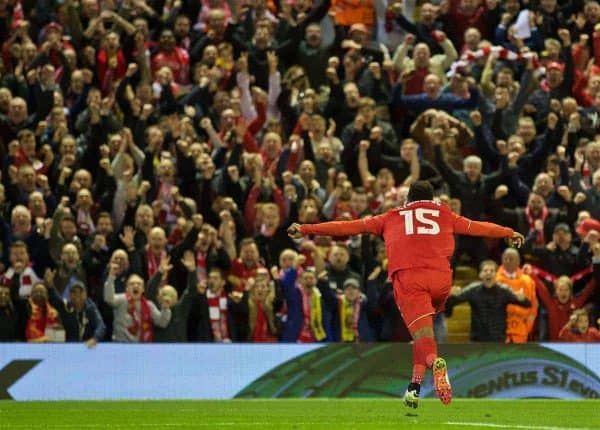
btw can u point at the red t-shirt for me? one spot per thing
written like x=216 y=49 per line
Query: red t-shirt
x=592 y=335
x=177 y=60
x=241 y=274
x=417 y=235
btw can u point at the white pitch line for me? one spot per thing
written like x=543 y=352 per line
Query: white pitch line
x=513 y=426
x=148 y=425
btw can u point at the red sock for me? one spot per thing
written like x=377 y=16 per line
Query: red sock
x=424 y=354
x=427 y=350
x=424 y=349
x=418 y=373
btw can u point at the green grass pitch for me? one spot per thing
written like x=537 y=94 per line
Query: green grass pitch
x=302 y=414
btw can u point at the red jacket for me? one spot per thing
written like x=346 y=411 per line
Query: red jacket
x=558 y=313
x=107 y=75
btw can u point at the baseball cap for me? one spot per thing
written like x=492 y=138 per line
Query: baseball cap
x=587 y=225
x=358 y=27
x=78 y=285
x=555 y=65
x=562 y=226
x=351 y=282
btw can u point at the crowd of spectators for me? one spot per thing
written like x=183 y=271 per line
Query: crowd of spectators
x=153 y=153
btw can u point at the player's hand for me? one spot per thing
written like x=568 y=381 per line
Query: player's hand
x=516 y=240
x=294 y=231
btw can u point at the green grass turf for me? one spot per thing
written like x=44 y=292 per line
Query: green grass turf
x=302 y=414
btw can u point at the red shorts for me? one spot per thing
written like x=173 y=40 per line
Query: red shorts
x=421 y=292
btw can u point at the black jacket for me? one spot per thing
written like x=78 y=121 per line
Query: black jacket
x=488 y=309
x=472 y=195
x=176 y=330
x=13 y=319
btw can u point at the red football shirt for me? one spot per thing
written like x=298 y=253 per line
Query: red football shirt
x=417 y=235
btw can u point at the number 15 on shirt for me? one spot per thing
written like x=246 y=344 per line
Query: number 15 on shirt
x=425 y=221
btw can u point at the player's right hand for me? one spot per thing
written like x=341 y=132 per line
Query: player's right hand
x=294 y=231
x=516 y=240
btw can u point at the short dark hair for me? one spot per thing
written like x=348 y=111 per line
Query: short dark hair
x=420 y=190
x=487 y=263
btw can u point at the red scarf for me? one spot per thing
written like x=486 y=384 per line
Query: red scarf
x=201 y=266
x=539 y=240
x=217 y=312
x=41 y=317
x=153 y=262
x=142 y=326
x=261 y=329
x=306 y=334
x=167 y=211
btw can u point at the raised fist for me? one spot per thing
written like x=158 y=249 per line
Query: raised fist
x=410 y=39
x=205 y=123
x=132 y=69
x=501 y=192
x=475 y=118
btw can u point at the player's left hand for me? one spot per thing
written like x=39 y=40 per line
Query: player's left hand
x=516 y=240
x=294 y=231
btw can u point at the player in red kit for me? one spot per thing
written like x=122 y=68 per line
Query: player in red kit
x=419 y=241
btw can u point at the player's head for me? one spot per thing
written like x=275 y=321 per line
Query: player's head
x=420 y=190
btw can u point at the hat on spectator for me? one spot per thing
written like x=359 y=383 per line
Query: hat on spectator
x=351 y=282
x=562 y=227
x=587 y=225
x=555 y=65
x=358 y=27
x=78 y=285
x=45 y=31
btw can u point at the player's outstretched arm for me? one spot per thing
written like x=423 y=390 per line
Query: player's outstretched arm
x=488 y=229
x=373 y=225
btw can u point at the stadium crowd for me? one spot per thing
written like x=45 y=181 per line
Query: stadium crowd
x=153 y=153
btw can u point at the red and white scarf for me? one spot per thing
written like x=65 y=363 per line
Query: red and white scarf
x=539 y=240
x=27 y=279
x=217 y=312
x=469 y=57
x=551 y=277
x=142 y=321
x=85 y=222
